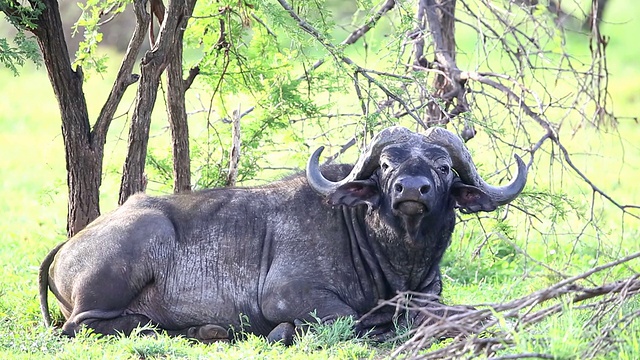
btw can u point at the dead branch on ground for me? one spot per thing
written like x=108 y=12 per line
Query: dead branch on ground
x=489 y=328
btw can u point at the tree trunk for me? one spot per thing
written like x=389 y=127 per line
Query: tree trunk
x=445 y=44
x=153 y=64
x=133 y=179
x=176 y=89
x=84 y=163
x=84 y=148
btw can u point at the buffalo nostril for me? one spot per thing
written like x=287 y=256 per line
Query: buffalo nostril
x=398 y=188
x=425 y=189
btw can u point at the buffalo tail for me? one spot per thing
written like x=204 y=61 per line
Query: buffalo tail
x=43 y=283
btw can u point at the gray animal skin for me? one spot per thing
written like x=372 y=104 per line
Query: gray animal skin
x=334 y=243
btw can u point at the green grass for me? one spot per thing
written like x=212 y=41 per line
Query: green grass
x=33 y=211
x=89 y=346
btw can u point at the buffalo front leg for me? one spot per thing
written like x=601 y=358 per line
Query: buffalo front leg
x=378 y=325
x=293 y=308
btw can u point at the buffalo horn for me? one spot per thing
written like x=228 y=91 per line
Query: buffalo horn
x=367 y=163
x=466 y=169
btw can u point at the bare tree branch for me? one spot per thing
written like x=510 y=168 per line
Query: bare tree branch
x=193 y=72
x=341 y=57
x=387 y=6
x=373 y=20
x=234 y=154
x=125 y=77
x=466 y=324
x=153 y=65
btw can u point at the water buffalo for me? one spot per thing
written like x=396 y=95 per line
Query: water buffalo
x=334 y=243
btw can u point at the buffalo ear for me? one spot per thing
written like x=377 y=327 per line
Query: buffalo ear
x=470 y=199
x=356 y=193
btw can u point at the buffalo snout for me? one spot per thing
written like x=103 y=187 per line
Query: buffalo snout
x=412 y=195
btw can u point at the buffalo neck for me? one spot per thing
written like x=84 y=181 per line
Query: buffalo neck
x=401 y=255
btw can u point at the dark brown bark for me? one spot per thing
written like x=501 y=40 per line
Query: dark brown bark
x=153 y=64
x=133 y=179
x=83 y=162
x=125 y=75
x=176 y=88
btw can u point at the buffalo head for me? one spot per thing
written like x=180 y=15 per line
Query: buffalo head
x=414 y=175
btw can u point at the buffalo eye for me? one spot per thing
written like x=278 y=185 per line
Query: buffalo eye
x=444 y=169
x=384 y=166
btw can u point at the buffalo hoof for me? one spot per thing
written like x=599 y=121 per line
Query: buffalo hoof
x=208 y=333
x=282 y=333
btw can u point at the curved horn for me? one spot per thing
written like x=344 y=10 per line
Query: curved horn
x=367 y=163
x=466 y=169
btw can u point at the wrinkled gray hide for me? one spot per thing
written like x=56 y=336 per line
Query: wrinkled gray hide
x=192 y=264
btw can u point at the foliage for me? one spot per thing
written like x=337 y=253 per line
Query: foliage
x=22 y=16
x=90 y=20
x=25 y=49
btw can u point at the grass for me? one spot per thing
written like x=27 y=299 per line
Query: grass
x=33 y=211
